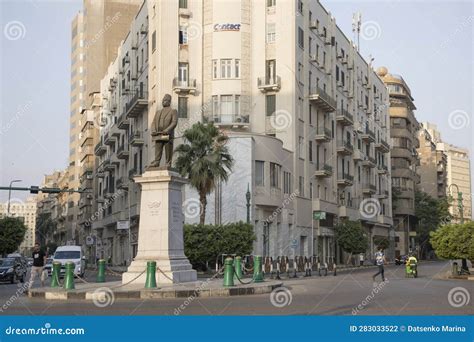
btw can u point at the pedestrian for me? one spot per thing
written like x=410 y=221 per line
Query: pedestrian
x=380 y=261
x=361 y=259
x=39 y=259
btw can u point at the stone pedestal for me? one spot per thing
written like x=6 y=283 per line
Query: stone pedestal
x=160 y=232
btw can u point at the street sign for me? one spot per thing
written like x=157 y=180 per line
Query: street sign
x=294 y=243
x=319 y=215
x=123 y=225
x=89 y=240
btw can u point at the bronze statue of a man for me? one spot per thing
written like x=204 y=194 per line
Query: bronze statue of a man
x=162 y=131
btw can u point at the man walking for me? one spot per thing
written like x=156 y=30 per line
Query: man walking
x=380 y=261
x=39 y=259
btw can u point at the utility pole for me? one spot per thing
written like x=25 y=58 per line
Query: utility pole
x=247 y=197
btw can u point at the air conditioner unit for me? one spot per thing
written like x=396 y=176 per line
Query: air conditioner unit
x=134 y=44
x=126 y=59
x=134 y=76
x=144 y=29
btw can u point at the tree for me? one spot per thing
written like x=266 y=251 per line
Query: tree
x=381 y=242
x=395 y=197
x=430 y=213
x=204 y=159
x=454 y=241
x=351 y=237
x=204 y=244
x=12 y=233
x=45 y=226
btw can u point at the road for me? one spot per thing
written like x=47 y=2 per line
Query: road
x=345 y=294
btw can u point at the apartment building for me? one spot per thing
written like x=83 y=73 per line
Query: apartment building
x=404 y=141
x=308 y=125
x=25 y=211
x=96 y=33
x=458 y=179
x=433 y=162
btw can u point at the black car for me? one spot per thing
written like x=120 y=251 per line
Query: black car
x=12 y=270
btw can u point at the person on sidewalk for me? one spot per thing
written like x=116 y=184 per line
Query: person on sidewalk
x=39 y=260
x=380 y=261
x=361 y=259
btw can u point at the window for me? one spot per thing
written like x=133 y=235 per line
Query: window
x=226 y=68
x=270 y=104
x=215 y=105
x=259 y=173
x=300 y=37
x=182 y=107
x=183 y=35
x=226 y=105
x=214 y=69
x=271 y=34
x=301 y=147
x=271 y=3
x=286 y=182
x=300 y=6
x=311 y=190
x=275 y=175
x=237 y=105
x=301 y=186
x=237 y=68
x=183 y=3
x=310 y=151
x=183 y=73
x=153 y=41
x=270 y=71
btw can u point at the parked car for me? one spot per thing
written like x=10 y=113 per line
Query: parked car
x=64 y=254
x=12 y=270
x=48 y=267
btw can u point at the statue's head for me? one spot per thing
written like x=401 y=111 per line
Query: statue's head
x=166 y=102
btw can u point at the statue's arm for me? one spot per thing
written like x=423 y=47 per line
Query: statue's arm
x=153 y=126
x=174 y=121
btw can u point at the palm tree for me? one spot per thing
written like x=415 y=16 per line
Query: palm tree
x=204 y=159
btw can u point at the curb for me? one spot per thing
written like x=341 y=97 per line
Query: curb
x=62 y=295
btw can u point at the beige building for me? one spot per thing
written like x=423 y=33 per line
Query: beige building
x=433 y=162
x=306 y=114
x=404 y=136
x=459 y=179
x=96 y=33
x=26 y=211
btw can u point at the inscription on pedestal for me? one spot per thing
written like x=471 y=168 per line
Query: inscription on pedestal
x=154 y=208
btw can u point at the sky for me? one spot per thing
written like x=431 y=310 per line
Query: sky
x=430 y=43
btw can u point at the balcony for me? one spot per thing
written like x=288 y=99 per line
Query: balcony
x=323 y=171
x=100 y=149
x=369 y=162
x=184 y=87
x=100 y=173
x=368 y=135
x=382 y=194
x=108 y=166
x=122 y=152
x=123 y=122
x=358 y=155
x=345 y=148
x=369 y=189
x=322 y=100
x=271 y=83
x=382 y=169
x=344 y=117
x=137 y=104
x=231 y=120
x=132 y=173
x=109 y=139
x=345 y=179
x=323 y=134
x=137 y=139
x=382 y=146
x=122 y=183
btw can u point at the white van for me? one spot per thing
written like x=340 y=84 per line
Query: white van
x=64 y=254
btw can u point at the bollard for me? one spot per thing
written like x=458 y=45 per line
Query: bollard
x=228 y=272
x=55 y=274
x=101 y=271
x=69 y=276
x=257 y=269
x=238 y=267
x=150 y=282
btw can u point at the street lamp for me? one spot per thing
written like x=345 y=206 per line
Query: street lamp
x=10 y=194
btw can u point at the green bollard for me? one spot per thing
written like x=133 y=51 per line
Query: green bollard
x=257 y=269
x=69 y=276
x=228 y=272
x=150 y=275
x=55 y=274
x=101 y=271
x=238 y=267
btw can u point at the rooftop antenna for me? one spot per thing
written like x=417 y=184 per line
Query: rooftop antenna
x=356 y=25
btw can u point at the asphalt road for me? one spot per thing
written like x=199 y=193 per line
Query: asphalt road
x=346 y=294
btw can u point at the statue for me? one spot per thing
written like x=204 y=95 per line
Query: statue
x=162 y=131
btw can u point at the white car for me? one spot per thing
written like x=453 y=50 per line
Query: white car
x=64 y=254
